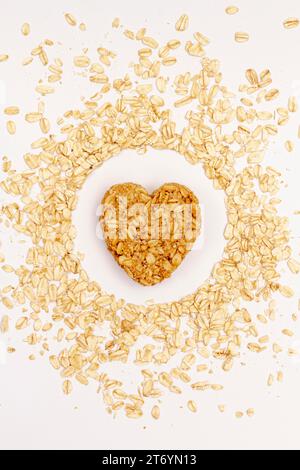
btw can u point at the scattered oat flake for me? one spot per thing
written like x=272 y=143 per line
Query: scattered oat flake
x=182 y=23
x=155 y=412
x=21 y=323
x=264 y=339
x=279 y=376
x=7 y=268
x=33 y=117
x=169 y=61
x=231 y=10
x=129 y=34
x=239 y=414
x=161 y=84
x=44 y=125
x=3 y=57
x=294 y=266
x=4 y=324
x=272 y=94
x=276 y=348
x=252 y=77
x=81 y=61
x=290 y=23
x=286 y=291
x=293 y=352
x=202 y=368
x=287 y=332
x=43 y=57
x=289 y=145
x=48 y=42
x=82 y=27
x=227 y=364
x=54 y=362
x=270 y=380
x=222 y=408
x=192 y=406
x=25 y=29
x=173 y=44
x=70 y=19
x=67 y=387
x=116 y=23
x=292 y=104
x=27 y=61
x=250 y=412
x=11 y=127
x=241 y=37
x=150 y=42
x=11 y=110
x=44 y=89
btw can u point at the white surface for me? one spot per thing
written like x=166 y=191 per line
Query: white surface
x=33 y=412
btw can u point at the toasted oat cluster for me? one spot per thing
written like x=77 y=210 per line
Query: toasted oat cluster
x=150 y=235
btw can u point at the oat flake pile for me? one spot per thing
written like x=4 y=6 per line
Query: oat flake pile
x=226 y=137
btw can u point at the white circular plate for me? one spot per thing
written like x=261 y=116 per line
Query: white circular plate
x=151 y=171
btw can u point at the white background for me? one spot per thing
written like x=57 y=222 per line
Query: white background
x=34 y=413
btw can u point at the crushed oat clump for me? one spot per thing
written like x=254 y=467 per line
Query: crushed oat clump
x=157 y=235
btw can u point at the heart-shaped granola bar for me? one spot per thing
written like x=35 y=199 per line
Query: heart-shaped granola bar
x=150 y=235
